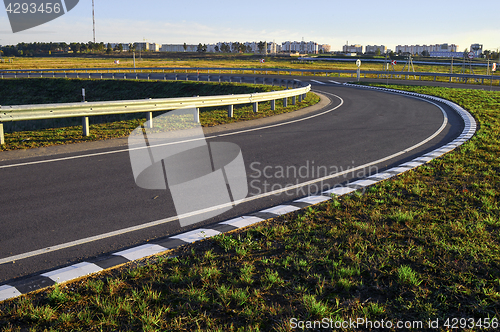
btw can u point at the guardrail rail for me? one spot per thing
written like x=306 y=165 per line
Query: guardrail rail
x=148 y=106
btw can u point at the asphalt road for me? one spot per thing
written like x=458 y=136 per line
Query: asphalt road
x=63 y=194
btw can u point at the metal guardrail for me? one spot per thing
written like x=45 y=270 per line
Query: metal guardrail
x=86 y=109
x=300 y=72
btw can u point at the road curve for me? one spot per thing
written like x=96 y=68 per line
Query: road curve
x=88 y=190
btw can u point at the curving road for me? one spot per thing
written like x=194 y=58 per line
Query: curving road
x=59 y=195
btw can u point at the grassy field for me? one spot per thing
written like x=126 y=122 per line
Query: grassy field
x=31 y=134
x=421 y=249
x=185 y=60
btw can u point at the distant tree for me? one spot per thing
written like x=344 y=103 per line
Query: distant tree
x=63 y=46
x=216 y=48
x=377 y=52
x=260 y=46
x=199 y=49
x=235 y=47
x=425 y=53
x=109 y=50
x=185 y=47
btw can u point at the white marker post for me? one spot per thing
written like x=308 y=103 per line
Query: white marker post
x=85 y=119
x=493 y=69
x=358 y=63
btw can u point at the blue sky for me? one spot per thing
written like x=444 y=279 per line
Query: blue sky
x=327 y=22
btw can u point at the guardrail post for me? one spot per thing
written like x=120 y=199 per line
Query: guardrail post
x=230 y=111
x=219 y=78
x=176 y=77
x=255 y=107
x=187 y=76
x=85 y=125
x=196 y=115
x=273 y=105
x=255 y=80
x=164 y=77
x=285 y=102
x=208 y=78
x=2 y=137
x=230 y=79
x=294 y=100
x=149 y=119
x=241 y=79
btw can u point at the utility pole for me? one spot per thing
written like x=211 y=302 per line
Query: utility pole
x=93 y=20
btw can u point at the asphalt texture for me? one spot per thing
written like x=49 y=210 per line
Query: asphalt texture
x=57 y=195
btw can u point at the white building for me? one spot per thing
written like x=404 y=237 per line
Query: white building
x=419 y=49
x=300 y=47
x=273 y=48
x=352 y=48
x=142 y=46
x=477 y=49
x=178 y=48
x=154 y=47
x=374 y=48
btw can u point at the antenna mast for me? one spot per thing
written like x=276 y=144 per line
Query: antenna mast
x=93 y=19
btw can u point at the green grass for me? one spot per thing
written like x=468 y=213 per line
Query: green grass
x=212 y=60
x=422 y=246
x=32 y=134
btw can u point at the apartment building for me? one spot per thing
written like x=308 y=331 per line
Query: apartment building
x=375 y=48
x=357 y=48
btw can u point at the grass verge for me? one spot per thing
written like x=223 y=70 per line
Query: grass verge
x=64 y=131
x=422 y=250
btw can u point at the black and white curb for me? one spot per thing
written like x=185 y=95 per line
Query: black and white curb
x=79 y=270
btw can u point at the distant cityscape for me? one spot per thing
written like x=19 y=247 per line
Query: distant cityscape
x=261 y=47
x=311 y=47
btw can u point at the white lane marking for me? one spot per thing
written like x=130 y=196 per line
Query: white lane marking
x=335 y=82
x=318 y=82
x=271 y=193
